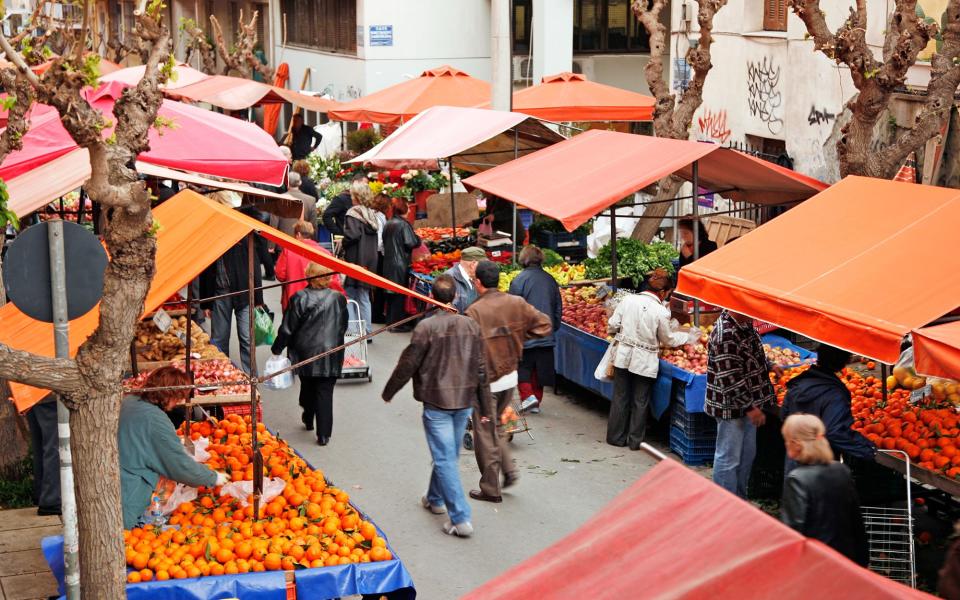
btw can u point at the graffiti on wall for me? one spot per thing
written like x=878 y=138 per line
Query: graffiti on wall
x=713 y=125
x=763 y=93
x=820 y=116
x=351 y=93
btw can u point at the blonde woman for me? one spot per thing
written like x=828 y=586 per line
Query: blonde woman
x=361 y=241
x=315 y=321
x=819 y=498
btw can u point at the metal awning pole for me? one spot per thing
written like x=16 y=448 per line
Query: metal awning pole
x=453 y=204
x=696 y=231
x=252 y=372
x=61 y=341
x=515 y=152
x=613 y=246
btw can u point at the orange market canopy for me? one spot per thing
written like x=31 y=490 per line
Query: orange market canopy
x=675 y=535
x=571 y=97
x=195 y=231
x=574 y=180
x=936 y=350
x=183 y=75
x=477 y=139
x=443 y=86
x=857 y=266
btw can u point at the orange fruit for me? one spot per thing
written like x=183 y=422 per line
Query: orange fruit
x=273 y=562
x=146 y=575
x=133 y=577
x=162 y=576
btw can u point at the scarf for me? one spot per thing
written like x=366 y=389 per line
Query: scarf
x=365 y=214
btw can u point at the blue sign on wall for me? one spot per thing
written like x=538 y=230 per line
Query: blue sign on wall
x=381 y=35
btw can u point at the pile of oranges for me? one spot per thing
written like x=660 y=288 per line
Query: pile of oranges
x=928 y=432
x=311 y=524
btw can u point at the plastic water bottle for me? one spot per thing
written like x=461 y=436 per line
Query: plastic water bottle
x=157 y=519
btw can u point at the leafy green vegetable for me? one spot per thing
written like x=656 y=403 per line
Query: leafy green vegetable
x=551 y=258
x=634 y=260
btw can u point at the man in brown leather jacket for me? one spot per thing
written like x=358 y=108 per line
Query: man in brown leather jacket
x=446 y=362
x=506 y=322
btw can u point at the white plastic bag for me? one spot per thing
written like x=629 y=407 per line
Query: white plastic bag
x=604 y=371
x=280 y=382
x=200 y=453
x=241 y=490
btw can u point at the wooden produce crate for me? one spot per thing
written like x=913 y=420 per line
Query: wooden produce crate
x=723 y=228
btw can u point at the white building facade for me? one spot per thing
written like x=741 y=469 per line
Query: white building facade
x=768 y=89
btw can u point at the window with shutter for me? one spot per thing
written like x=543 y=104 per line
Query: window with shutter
x=775 y=15
x=322 y=24
x=263 y=14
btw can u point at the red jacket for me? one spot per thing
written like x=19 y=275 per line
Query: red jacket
x=291 y=266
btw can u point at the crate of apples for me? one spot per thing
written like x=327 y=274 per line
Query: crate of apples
x=583 y=310
x=781 y=357
x=689 y=357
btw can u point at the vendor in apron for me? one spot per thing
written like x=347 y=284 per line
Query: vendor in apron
x=640 y=324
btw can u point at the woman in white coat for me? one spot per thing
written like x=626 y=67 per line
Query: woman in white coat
x=640 y=324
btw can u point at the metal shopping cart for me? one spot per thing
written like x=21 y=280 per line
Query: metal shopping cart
x=512 y=422
x=890 y=536
x=355 y=365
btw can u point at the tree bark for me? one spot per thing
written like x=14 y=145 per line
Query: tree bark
x=671 y=117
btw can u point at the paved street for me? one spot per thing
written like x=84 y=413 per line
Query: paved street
x=379 y=455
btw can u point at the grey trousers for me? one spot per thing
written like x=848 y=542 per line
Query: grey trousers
x=627 y=423
x=491 y=448
x=42 y=419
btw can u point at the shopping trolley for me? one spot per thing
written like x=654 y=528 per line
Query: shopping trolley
x=890 y=536
x=512 y=422
x=355 y=365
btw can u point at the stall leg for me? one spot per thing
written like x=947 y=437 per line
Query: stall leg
x=613 y=246
x=186 y=362
x=453 y=204
x=252 y=370
x=696 y=232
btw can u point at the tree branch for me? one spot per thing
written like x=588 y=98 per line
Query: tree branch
x=57 y=374
x=15 y=40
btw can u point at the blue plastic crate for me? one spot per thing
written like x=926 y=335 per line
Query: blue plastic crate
x=692 y=424
x=561 y=241
x=693 y=452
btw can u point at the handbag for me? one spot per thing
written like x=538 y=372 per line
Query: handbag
x=604 y=370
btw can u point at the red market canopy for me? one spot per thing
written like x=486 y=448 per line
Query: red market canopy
x=574 y=180
x=443 y=86
x=195 y=231
x=571 y=97
x=476 y=138
x=843 y=267
x=197 y=140
x=675 y=535
x=235 y=93
x=936 y=350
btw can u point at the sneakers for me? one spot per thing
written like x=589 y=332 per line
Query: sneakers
x=531 y=404
x=437 y=510
x=463 y=530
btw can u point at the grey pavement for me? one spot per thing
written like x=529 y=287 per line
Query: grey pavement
x=379 y=455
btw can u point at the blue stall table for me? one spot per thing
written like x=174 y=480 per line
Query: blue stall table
x=576 y=356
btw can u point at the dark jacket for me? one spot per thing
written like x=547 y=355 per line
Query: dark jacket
x=309 y=187
x=445 y=359
x=229 y=273
x=303 y=141
x=706 y=247
x=738 y=377
x=315 y=321
x=816 y=392
x=359 y=247
x=820 y=501
x=506 y=322
x=399 y=240
x=466 y=293
x=541 y=291
x=948 y=582
x=336 y=212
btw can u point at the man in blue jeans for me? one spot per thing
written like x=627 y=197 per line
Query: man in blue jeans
x=446 y=362
x=738 y=388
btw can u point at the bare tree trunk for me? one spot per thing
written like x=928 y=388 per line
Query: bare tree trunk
x=646 y=229
x=671 y=117
x=13 y=436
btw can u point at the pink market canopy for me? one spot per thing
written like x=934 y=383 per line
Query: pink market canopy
x=197 y=140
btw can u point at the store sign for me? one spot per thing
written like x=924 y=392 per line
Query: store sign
x=381 y=35
x=162 y=320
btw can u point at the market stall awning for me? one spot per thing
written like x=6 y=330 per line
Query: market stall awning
x=858 y=266
x=574 y=180
x=194 y=232
x=183 y=75
x=936 y=350
x=36 y=188
x=235 y=93
x=443 y=86
x=193 y=139
x=571 y=97
x=675 y=535
x=477 y=139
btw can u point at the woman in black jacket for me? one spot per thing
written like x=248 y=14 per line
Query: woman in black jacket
x=360 y=246
x=315 y=321
x=399 y=240
x=819 y=498
x=541 y=291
